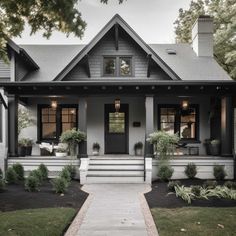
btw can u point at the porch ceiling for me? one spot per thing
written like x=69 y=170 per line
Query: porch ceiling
x=120 y=86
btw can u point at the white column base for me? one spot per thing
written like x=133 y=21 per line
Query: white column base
x=84 y=163
x=148 y=170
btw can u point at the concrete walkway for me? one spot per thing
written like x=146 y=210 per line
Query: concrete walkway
x=114 y=210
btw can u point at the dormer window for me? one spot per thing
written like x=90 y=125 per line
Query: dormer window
x=117 y=66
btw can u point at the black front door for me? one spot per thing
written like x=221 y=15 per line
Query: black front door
x=116 y=129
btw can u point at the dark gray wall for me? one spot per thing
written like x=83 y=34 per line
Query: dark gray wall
x=106 y=47
x=21 y=69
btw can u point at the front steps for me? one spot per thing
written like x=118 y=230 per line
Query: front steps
x=111 y=169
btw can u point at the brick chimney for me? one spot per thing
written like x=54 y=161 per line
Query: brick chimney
x=202 y=36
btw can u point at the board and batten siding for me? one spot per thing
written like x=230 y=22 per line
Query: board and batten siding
x=106 y=47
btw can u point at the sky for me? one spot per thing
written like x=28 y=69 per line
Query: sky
x=151 y=19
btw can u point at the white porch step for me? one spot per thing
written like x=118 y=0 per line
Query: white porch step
x=114 y=179
x=104 y=172
x=116 y=161
x=116 y=166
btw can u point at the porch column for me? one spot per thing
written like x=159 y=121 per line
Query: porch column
x=13 y=126
x=149 y=106
x=83 y=126
x=226 y=126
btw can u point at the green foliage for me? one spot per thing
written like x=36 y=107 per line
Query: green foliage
x=96 y=146
x=190 y=170
x=230 y=184
x=72 y=171
x=224 y=13
x=164 y=143
x=185 y=193
x=32 y=183
x=60 y=185
x=210 y=184
x=72 y=137
x=1 y=174
x=196 y=190
x=37 y=174
x=2 y=185
x=171 y=185
x=19 y=169
x=138 y=145
x=219 y=172
x=44 y=171
x=11 y=176
x=65 y=174
x=24 y=119
x=165 y=172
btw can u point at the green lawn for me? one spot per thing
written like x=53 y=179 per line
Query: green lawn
x=170 y=221
x=40 y=222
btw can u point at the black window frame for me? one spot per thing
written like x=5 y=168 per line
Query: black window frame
x=58 y=121
x=177 y=123
x=117 y=65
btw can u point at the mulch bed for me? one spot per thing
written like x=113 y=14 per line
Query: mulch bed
x=16 y=198
x=159 y=197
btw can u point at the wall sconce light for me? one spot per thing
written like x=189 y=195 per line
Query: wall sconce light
x=54 y=104
x=185 y=104
x=117 y=104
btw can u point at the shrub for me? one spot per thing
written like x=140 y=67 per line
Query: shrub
x=190 y=170
x=44 y=171
x=185 y=193
x=1 y=174
x=219 y=172
x=32 y=184
x=11 y=176
x=165 y=172
x=37 y=174
x=19 y=169
x=171 y=185
x=210 y=184
x=60 y=185
x=196 y=190
x=72 y=171
x=65 y=174
x=2 y=185
x=230 y=184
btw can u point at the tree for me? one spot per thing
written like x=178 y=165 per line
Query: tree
x=45 y=15
x=224 y=14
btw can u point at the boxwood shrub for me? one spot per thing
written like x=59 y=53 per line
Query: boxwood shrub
x=165 y=172
x=190 y=170
x=19 y=169
x=11 y=176
x=219 y=172
x=44 y=171
x=32 y=184
x=60 y=185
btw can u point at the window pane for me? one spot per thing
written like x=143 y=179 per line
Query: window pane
x=125 y=66
x=171 y=118
x=52 y=119
x=168 y=127
x=109 y=66
x=64 y=111
x=65 y=118
x=68 y=118
x=45 y=111
x=164 y=118
x=188 y=118
x=171 y=111
x=117 y=122
x=164 y=111
x=67 y=126
x=187 y=130
x=44 y=118
x=48 y=130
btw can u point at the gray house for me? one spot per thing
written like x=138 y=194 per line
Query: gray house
x=118 y=90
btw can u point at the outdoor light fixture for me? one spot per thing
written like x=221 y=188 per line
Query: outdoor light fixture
x=54 y=104
x=117 y=104
x=185 y=104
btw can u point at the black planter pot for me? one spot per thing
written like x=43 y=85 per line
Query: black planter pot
x=208 y=149
x=22 y=151
x=28 y=150
x=215 y=149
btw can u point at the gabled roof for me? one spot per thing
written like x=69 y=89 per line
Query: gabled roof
x=117 y=20
x=187 y=65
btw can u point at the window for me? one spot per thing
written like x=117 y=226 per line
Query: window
x=117 y=66
x=116 y=122
x=52 y=122
x=173 y=119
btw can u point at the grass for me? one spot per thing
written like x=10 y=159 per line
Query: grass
x=40 y=222
x=170 y=221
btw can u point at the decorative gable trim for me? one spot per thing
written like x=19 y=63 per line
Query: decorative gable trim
x=116 y=20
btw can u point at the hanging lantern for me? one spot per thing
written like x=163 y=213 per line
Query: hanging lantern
x=54 y=104
x=117 y=104
x=185 y=104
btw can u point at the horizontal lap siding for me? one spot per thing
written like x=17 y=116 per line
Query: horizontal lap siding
x=4 y=69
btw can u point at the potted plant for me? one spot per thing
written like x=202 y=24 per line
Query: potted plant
x=61 y=152
x=22 y=147
x=28 y=146
x=96 y=149
x=215 y=147
x=72 y=137
x=138 y=148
